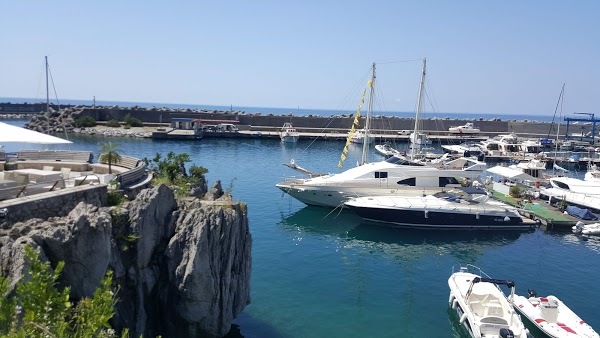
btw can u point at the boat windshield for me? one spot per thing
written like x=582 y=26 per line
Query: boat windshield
x=403 y=161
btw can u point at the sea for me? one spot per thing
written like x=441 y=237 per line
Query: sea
x=318 y=272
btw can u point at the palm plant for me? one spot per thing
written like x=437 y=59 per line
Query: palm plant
x=110 y=154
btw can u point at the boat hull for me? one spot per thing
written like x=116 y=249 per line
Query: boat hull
x=552 y=317
x=439 y=220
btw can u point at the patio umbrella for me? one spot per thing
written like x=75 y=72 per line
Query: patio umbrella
x=10 y=133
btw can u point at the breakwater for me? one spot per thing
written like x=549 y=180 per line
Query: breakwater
x=59 y=119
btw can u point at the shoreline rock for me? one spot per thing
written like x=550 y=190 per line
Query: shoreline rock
x=182 y=266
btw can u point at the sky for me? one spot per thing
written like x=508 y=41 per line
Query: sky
x=493 y=57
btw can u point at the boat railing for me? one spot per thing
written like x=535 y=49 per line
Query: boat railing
x=471 y=269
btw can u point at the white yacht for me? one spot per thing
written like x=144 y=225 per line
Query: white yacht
x=394 y=176
x=468 y=128
x=463 y=149
x=288 y=133
x=360 y=136
x=482 y=308
x=501 y=145
x=574 y=191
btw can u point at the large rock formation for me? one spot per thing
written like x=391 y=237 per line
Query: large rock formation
x=182 y=270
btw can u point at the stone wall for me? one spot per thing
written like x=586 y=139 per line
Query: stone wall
x=51 y=204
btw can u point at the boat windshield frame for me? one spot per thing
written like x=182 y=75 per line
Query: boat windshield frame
x=403 y=161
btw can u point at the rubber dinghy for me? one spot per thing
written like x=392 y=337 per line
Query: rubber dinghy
x=552 y=316
x=586 y=229
x=482 y=307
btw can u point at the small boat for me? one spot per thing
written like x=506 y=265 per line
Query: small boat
x=466 y=149
x=360 y=136
x=586 y=229
x=466 y=129
x=458 y=208
x=552 y=316
x=387 y=150
x=481 y=305
x=288 y=133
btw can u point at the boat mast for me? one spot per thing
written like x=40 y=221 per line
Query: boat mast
x=368 y=120
x=47 y=90
x=560 y=100
x=419 y=104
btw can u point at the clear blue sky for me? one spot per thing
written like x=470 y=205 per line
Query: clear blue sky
x=503 y=57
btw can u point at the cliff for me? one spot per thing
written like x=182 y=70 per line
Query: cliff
x=182 y=268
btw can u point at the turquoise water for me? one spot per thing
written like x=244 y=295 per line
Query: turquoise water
x=318 y=273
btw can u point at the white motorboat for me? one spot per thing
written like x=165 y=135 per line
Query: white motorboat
x=288 y=133
x=468 y=128
x=360 y=136
x=420 y=139
x=552 y=316
x=501 y=145
x=481 y=305
x=459 y=208
x=394 y=176
x=586 y=229
x=464 y=149
x=574 y=191
x=387 y=150
x=592 y=174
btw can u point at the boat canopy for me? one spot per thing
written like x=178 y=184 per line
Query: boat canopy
x=510 y=173
x=508 y=283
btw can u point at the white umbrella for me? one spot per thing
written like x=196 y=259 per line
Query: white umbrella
x=10 y=133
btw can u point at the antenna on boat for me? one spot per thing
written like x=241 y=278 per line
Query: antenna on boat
x=368 y=120
x=419 y=106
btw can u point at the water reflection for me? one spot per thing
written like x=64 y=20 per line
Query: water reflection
x=401 y=243
x=590 y=242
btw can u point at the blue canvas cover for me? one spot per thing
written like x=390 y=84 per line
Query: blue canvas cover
x=581 y=213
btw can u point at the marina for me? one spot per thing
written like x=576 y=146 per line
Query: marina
x=364 y=269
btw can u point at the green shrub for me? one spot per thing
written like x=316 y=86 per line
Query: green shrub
x=114 y=198
x=85 y=121
x=113 y=123
x=126 y=126
x=516 y=191
x=171 y=171
x=132 y=121
x=38 y=308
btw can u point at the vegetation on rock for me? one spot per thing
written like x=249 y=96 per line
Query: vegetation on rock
x=132 y=121
x=38 y=308
x=113 y=123
x=171 y=171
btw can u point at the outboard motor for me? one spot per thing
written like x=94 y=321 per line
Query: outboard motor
x=531 y=293
x=506 y=333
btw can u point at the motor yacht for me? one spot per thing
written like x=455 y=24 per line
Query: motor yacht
x=459 y=208
x=288 y=133
x=468 y=128
x=394 y=176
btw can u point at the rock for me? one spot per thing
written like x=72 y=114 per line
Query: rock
x=181 y=270
x=215 y=192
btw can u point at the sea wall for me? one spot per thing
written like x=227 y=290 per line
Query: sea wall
x=181 y=267
x=51 y=204
x=59 y=120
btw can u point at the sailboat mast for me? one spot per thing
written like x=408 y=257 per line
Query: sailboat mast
x=560 y=100
x=419 y=105
x=368 y=119
x=47 y=90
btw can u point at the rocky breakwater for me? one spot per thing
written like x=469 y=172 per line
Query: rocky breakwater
x=182 y=267
x=55 y=121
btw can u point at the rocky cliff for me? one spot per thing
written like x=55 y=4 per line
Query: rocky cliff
x=182 y=266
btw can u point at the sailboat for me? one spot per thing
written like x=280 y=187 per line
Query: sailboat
x=397 y=175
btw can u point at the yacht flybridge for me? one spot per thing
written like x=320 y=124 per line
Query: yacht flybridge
x=396 y=176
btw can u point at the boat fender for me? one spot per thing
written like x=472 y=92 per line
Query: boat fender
x=506 y=219
x=454 y=303
x=463 y=318
x=426 y=213
x=477 y=216
x=506 y=333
